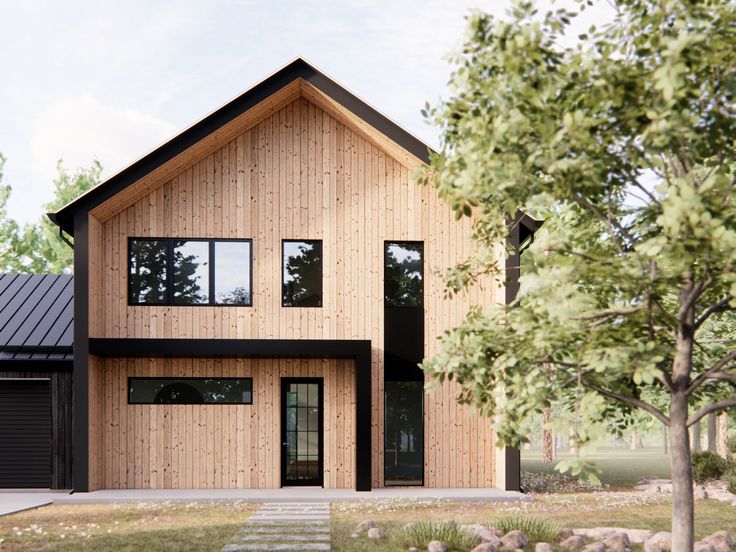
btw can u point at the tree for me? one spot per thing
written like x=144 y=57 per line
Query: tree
x=38 y=248
x=623 y=144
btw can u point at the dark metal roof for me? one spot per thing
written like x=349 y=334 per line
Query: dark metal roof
x=36 y=316
x=297 y=69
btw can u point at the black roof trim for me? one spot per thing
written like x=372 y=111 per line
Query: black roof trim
x=297 y=69
x=35 y=317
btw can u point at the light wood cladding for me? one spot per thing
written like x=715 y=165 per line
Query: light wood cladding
x=303 y=173
x=215 y=446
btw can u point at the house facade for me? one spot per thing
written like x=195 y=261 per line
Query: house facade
x=251 y=301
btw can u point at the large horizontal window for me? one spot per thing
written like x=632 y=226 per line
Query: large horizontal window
x=302 y=274
x=190 y=390
x=404 y=274
x=171 y=271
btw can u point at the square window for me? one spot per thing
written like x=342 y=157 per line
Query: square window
x=302 y=273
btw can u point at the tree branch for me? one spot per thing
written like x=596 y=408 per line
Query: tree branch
x=631 y=401
x=717 y=367
x=610 y=222
x=720 y=306
x=713 y=407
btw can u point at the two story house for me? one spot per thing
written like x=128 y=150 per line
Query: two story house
x=251 y=301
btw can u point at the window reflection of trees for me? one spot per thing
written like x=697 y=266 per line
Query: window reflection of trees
x=302 y=285
x=148 y=271
x=404 y=274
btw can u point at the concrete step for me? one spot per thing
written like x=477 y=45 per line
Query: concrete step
x=268 y=547
x=303 y=538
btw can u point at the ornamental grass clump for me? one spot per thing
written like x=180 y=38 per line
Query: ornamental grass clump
x=534 y=529
x=421 y=533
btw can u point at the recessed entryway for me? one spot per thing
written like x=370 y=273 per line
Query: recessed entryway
x=302 y=461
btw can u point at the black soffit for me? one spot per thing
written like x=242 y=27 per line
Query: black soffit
x=297 y=69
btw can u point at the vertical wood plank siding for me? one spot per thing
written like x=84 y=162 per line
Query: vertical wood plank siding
x=216 y=446
x=300 y=173
x=61 y=422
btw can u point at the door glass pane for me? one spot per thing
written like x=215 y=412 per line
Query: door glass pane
x=191 y=272
x=404 y=433
x=302 y=434
x=313 y=395
x=232 y=273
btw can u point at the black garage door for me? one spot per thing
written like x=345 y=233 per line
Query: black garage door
x=25 y=434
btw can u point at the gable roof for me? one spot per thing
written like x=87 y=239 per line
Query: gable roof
x=36 y=317
x=299 y=69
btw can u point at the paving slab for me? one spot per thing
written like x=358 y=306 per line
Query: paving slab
x=11 y=503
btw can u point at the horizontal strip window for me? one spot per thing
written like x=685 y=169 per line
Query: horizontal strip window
x=404 y=274
x=190 y=390
x=173 y=271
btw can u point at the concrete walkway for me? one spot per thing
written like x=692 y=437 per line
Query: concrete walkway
x=12 y=502
x=285 y=526
x=289 y=494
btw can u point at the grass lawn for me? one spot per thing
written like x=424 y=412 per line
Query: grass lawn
x=630 y=510
x=152 y=527
x=622 y=468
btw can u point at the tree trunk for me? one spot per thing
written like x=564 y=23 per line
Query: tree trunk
x=634 y=441
x=722 y=435
x=696 y=436
x=548 y=452
x=712 y=431
x=682 y=477
x=573 y=440
x=664 y=438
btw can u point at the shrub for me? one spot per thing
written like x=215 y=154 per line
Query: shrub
x=421 y=533
x=731 y=480
x=540 y=482
x=708 y=466
x=731 y=444
x=535 y=529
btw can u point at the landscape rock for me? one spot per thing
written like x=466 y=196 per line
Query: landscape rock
x=576 y=542
x=354 y=535
x=364 y=526
x=436 y=546
x=543 y=547
x=714 y=490
x=483 y=533
x=514 y=540
x=703 y=547
x=595 y=547
x=617 y=542
x=376 y=533
x=721 y=541
x=565 y=534
x=486 y=547
x=636 y=536
x=659 y=542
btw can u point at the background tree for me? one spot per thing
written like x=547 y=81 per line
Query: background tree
x=624 y=144
x=37 y=247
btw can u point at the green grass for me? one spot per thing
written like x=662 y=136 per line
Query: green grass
x=622 y=468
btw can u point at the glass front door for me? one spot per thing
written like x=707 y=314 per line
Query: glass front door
x=301 y=431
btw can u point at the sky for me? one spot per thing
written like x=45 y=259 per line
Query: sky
x=110 y=80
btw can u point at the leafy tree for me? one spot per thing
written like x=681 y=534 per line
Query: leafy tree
x=37 y=248
x=624 y=144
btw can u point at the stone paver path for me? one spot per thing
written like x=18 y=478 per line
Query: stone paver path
x=285 y=526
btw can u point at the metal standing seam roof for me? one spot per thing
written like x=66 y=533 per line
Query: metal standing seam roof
x=36 y=316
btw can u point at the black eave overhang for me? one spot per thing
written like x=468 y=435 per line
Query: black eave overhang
x=295 y=70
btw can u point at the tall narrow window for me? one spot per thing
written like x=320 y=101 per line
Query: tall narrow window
x=147 y=272
x=404 y=274
x=404 y=433
x=302 y=273
x=170 y=271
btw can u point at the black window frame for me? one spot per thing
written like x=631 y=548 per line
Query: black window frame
x=321 y=269
x=169 y=287
x=185 y=378
x=386 y=243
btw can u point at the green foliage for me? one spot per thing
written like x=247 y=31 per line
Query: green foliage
x=37 y=248
x=421 y=533
x=708 y=466
x=534 y=529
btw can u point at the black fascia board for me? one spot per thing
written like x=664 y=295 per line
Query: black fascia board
x=299 y=68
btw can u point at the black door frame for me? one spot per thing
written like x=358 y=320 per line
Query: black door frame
x=285 y=381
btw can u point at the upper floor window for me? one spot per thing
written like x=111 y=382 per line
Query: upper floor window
x=404 y=274
x=302 y=273
x=171 y=271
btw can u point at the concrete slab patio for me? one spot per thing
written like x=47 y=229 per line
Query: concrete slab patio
x=290 y=494
x=12 y=502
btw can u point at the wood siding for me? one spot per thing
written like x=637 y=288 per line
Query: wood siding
x=61 y=421
x=215 y=446
x=302 y=173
